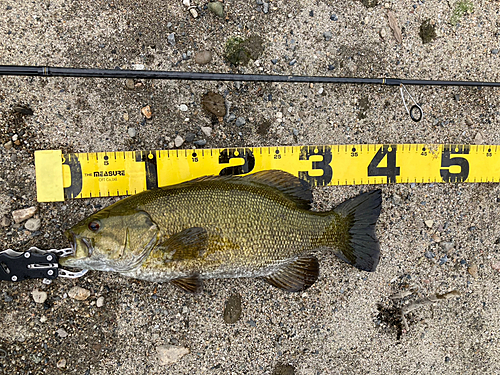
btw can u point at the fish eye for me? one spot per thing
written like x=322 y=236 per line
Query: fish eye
x=94 y=225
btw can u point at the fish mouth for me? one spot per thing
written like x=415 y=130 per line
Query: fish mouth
x=81 y=247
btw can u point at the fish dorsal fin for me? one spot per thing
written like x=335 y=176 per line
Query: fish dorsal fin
x=297 y=275
x=188 y=244
x=191 y=284
x=292 y=187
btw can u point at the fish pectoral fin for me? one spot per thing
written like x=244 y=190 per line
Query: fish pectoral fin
x=191 y=284
x=297 y=275
x=191 y=243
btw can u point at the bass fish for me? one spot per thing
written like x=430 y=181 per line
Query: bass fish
x=259 y=225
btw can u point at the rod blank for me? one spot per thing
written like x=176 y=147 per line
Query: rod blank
x=47 y=71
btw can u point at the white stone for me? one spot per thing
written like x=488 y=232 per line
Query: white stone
x=23 y=214
x=178 y=141
x=79 y=293
x=206 y=130
x=429 y=223
x=100 y=302
x=168 y=354
x=32 y=224
x=183 y=107
x=39 y=296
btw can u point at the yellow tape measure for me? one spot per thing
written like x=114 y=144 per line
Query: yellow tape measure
x=100 y=174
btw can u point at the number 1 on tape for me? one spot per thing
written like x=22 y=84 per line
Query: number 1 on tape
x=84 y=175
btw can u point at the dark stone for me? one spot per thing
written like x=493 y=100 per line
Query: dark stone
x=232 y=310
x=282 y=369
x=427 y=31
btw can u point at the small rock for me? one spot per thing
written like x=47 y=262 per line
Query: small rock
x=478 y=139
x=295 y=132
x=171 y=39
x=203 y=57
x=259 y=2
x=328 y=35
x=274 y=61
x=252 y=323
x=282 y=369
x=216 y=8
x=130 y=84
x=15 y=138
x=494 y=51
x=231 y=117
x=178 y=141
x=8 y=298
x=79 y=293
x=61 y=363
x=383 y=33
x=8 y=145
x=100 y=302
x=39 y=296
x=32 y=224
x=23 y=214
x=496 y=266
x=183 y=108
x=443 y=260
x=4 y=222
x=125 y=116
x=168 y=354
x=190 y=137
x=232 y=309
x=43 y=319
x=469 y=121
x=200 y=142
x=206 y=130
x=429 y=255
x=447 y=246
x=473 y=271
x=429 y=223
x=23 y=110
x=146 y=111
x=334 y=17
x=132 y=132
x=293 y=62
x=214 y=103
x=240 y=121
x=62 y=333
x=265 y=8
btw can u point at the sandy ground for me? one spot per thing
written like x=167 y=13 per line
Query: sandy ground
x=346 y=323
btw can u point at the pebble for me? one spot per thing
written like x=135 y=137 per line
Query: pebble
x=240 y=121
x=125 y=116
x=494 y=51
x=443 y=260
x=8 y=298
x=190 y=137
x=168 y=354
x=62 y=333
x=203 y=57
x=429 y=223
x=216 y=8
x=132 y=132
x=15 y=137
x=334 y=17
x=43 y=319
x=328 y=35
x=23 y=110
x=206 y=130
x=259 y=2
x=178 y=141
x=4 y=222
x=61 y=363
x=183 y=108
x=232 y=309
x=383 y=33
x=496 y=266
x=171 y=38
x=146 y=111
x=429 y=254
x=23 y=214
x=447 y=246
x=293 y=62
x=79 y=293
x=478 y=139
x=100 y=302
x=39 y=296
x=274 y=61
x=200 y=142
x=252 y=323
x=8 y=145
x=130 y=84
x=32 y=224
x=295 y=132
x=473 y=271
x=283 y=369
x=265 y=8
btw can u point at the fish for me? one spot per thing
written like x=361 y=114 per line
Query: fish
x=260 y=225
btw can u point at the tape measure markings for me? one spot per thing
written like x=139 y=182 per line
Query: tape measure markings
x=124 y=172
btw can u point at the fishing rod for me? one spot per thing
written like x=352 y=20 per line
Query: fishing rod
x=415 y=111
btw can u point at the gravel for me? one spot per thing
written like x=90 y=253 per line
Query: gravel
x=330 y=328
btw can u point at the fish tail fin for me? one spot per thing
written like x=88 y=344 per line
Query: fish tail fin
x=351 y=231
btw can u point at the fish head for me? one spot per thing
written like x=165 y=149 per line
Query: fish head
x=111 y=240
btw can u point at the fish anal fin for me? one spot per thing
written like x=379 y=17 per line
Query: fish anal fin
x=191 y=284
x=188 y=244
x=297 y=275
